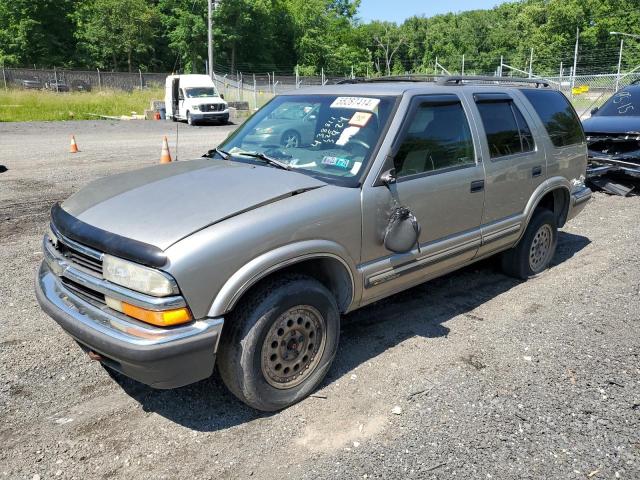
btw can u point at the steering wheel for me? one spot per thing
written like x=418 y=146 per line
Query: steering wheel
x=357 y=141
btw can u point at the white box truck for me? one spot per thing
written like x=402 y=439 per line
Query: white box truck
x=194 y=99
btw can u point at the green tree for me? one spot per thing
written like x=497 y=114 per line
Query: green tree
x=37 y=32
x=184 y=24
x=113 y=31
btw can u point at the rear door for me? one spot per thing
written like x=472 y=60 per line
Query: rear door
x=514 y=163
x=440 y=180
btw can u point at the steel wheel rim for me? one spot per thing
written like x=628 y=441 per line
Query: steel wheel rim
x=291 y=141
x=540 y=248
x=293 y=347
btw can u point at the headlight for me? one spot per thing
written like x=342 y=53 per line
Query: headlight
x=264 y=130
x=136 y=277
x=196 y=107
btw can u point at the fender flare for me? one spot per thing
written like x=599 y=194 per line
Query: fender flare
x=549 y=185
x=269 y=262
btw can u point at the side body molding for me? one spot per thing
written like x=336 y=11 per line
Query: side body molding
x=279 y=258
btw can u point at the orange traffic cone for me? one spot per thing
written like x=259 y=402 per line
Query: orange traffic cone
x=165 y=157
x=74 y=145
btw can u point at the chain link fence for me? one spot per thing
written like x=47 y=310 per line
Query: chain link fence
x=254 y=90
x=79 y=80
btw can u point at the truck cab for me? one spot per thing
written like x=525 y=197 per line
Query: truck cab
x=194 y=99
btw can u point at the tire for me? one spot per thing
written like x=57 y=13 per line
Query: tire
x=174 y=118
x=533 y=254
x=290 y=139
x=276 y=324
x=190 y=120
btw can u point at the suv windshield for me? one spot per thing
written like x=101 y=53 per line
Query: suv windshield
x=624 y=103
x=327 y=136
x=201 y=92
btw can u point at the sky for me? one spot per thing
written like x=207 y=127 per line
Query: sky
x=399 y=10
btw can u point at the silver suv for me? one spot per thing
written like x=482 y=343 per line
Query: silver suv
x=248 y=257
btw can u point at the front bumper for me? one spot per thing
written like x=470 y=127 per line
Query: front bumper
x=204 y=116
x=159 y=357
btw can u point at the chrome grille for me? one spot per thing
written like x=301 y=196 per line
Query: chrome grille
x=86 y=293
x=214 y=107
x=78 y=254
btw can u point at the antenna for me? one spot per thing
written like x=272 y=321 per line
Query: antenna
x=177 y=138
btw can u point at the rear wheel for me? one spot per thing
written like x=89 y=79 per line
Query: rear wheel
x=536 y=249
x=280 y=342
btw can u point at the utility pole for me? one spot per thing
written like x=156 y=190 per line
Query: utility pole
x=210 y=36
x=575 y=61
x=619 y=64
x=531 y=64
x=620 y=57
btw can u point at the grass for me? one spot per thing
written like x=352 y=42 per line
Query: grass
x=29 y=105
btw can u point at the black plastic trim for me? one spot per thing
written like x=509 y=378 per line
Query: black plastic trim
x=492 y=97
x=104 y=241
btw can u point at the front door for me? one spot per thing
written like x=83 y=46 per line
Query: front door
x=440 y=180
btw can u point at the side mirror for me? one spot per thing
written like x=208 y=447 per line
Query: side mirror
x=222 y=96
x=594 y=110
x=403 y=231
x=389 y=177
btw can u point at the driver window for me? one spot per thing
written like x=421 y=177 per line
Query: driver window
x=438 y=137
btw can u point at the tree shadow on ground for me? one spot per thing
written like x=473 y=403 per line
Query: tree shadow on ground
x=366 y=333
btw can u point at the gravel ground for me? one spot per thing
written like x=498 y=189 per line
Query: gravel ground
x=473 y=375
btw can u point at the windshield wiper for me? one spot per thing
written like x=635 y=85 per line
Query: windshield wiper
x=222 y=153
x=266 y=158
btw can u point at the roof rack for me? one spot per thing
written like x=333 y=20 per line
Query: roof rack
x=462 y=79
x=390 y=78
x=449 y=80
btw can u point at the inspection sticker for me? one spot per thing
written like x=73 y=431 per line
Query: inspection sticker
x=338 y=162
x=360 y=119
x=356 y=103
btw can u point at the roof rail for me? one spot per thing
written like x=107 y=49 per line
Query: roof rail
x=462 y=79
x=391 y=78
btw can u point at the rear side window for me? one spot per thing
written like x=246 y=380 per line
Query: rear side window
x=438 y=137
x=557 y=115
x=506 y=129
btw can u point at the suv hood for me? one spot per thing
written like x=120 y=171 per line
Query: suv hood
x=161 y=205
x=611 y=125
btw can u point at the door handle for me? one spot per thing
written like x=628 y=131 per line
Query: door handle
x=477 y=186
x=536 y=171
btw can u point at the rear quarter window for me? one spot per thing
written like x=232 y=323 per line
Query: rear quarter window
x=557 y=115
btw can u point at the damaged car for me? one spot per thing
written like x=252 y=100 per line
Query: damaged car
x=247 y=258
x=613 y=139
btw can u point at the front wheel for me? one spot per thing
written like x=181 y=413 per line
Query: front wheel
x=536 y=249
x=290 y=139
x=281 y=342
x=190 y=119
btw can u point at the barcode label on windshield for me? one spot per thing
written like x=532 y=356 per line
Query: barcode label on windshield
x=356 y=103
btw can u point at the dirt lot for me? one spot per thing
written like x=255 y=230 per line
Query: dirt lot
x=489 y=377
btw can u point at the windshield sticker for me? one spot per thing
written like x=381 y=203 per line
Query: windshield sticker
x=356 y=168
x=337 y=162
x=360 y=119
x=295 y=163
x=356 y=103
x=346 y=135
